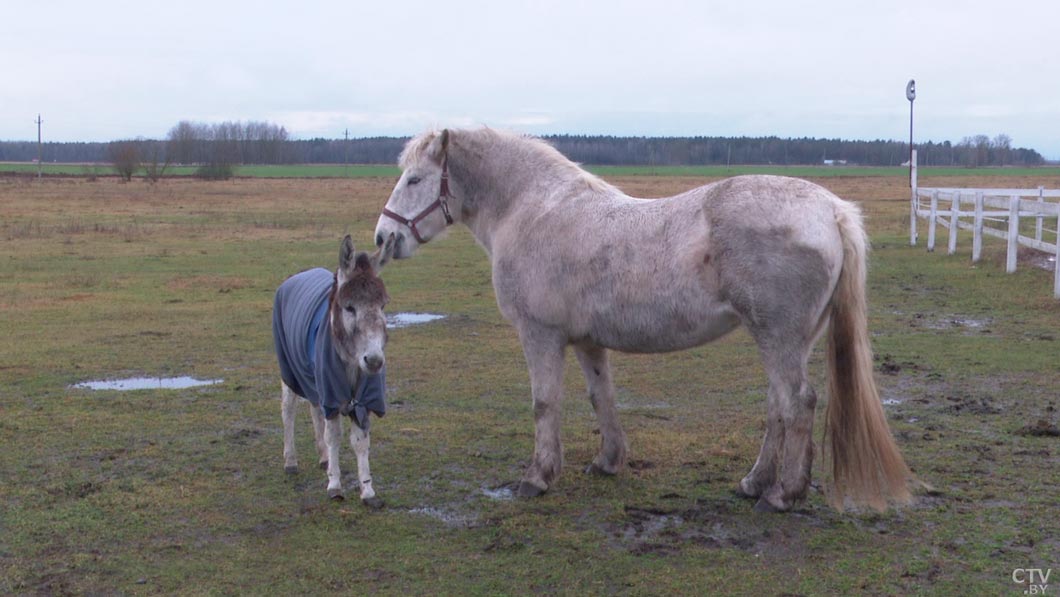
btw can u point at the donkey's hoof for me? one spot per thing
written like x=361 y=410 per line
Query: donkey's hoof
x=374 y=502
x=336 y=494
x=324 y=465
x=529 y=490
x=598 y=471
x=764 y=506
x=291 y=469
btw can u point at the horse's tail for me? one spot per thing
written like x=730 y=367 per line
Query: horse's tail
x=867 y=467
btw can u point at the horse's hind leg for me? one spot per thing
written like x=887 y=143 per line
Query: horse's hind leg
x=791 y=406
x=597 y=370
x=288 y=407
x=318 y=435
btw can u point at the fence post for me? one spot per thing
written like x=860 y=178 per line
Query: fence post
x=932 y=216
x=914 y=204
x=955 y=210
x=1013 y=232
x=977 y=228
x=1041 y=216
x=1056 y=263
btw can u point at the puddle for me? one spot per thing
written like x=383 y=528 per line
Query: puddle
x=404 y=320
x=449 y=518
x=959 y=322
x=147 y=383
x=503 y=493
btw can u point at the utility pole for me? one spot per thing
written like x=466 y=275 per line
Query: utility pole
x=38 y=121
x=346 y=154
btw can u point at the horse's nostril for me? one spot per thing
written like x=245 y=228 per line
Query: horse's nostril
x=379 y=239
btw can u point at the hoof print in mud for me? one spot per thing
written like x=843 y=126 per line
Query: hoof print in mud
x=374 y=503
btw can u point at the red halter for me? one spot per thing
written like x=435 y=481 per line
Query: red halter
x=442 y=201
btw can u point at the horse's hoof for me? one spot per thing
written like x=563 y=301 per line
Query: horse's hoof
x=745 y=493
x=596 y=471
x=529 y=490
x=291 y=469
x=373 y=502
x=763 y=506
x=324 y=465
x=336 y=495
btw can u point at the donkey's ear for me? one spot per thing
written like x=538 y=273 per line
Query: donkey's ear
x=383 y=254
x=346 y=253
x=439 y=146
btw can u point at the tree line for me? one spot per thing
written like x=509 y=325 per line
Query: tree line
x=217 y=148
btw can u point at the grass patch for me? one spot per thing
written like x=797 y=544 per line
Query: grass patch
x=138 y=492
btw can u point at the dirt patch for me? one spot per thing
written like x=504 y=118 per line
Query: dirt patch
x=1042 y=428
x=715 y=525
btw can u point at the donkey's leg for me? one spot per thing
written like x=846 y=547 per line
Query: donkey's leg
x=318 y=434
x=597 y=370
x=333 y=438
x=361 y=442
x=288 y=406
x=544 y=350
x=791 y=406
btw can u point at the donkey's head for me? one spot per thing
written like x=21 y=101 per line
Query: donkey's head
x=420 y=206
x=357 y=300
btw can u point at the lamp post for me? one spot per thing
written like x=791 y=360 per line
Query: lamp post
x=910 y=94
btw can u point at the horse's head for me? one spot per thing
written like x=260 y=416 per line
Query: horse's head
x=357 y=321
x=421 y=206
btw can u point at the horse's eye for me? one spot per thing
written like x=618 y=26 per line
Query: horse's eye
x=414 y=180
x=351 y=310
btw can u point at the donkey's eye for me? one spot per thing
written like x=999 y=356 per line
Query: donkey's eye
x=414 y=180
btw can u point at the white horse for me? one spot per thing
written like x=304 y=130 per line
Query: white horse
x=578 y=263
x=329 y=332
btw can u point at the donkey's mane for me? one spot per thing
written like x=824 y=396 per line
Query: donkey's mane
x=533 y=153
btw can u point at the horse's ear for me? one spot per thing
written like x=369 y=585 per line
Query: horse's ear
x=346 y=253
x=383 y=254
x=439 y=146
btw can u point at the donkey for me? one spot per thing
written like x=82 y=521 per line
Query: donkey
x=329 y=331
x=577 y=263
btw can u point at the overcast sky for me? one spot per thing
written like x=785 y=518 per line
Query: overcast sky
x=107 y=69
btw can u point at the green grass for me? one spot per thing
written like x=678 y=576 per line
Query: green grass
x=382 y=170
x=183 y=491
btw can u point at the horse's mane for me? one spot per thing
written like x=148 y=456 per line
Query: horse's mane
x=537 y=154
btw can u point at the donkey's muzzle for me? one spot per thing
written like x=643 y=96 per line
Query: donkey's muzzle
x=373 y=363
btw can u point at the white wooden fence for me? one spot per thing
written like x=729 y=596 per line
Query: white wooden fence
x=946 y=206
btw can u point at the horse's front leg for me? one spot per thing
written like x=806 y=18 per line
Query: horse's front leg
x=361 y=442
x=597 y=371
x=332 y=439
x=544 y=352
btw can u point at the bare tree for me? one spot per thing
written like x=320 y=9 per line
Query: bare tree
x=124 y=156
x=1002 y=146
x=155 y=159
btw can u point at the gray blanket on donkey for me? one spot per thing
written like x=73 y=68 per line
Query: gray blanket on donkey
x=309 y=363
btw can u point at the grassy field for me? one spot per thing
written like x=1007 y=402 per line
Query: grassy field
x=183 y=491
x=383 y=170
